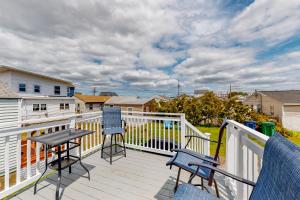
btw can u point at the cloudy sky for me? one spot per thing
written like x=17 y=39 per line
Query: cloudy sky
x=143 y=47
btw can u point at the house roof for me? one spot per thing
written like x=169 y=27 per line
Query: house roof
x=92 y=98
x=6 y=93
x=6 y=68
x=285 y=96
x=127 y=100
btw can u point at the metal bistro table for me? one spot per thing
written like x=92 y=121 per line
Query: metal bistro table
x=56 y=140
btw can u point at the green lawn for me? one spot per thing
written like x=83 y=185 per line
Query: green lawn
x=214 y=131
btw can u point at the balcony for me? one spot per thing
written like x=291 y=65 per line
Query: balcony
x=141 y=175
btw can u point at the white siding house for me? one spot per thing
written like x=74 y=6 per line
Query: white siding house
x=10 y=104
x=42 y=96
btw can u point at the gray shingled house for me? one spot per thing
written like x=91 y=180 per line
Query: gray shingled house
x=284 y=105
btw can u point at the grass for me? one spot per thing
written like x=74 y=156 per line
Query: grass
x=295 y=138
x=214 y=131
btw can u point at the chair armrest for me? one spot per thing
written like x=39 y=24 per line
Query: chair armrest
x=199 y=137
x=223 y=172
x=196 y=155
x=125 y=123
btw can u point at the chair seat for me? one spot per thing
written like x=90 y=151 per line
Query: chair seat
x=114 y=130
x=190 y=192
x=183 y=159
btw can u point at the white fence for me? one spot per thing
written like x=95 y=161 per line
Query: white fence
x=244 y=152
x=153 y=132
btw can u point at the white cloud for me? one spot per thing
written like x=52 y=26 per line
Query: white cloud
x=133 y=44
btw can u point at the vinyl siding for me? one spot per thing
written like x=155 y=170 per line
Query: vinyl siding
x=53 y=108
x=9 y=113
x=46 y=86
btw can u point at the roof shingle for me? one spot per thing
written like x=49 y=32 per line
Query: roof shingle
x=286 y=96
x=92 y=98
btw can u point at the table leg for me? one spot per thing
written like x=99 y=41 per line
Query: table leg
x=46 y=167
x=59 y=172
x=80 y=160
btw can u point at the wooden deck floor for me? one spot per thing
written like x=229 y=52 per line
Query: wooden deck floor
x=140 y=175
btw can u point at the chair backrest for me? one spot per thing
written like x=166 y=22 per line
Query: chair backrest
x=279 y=177
x=221 y=133
x=111 y=117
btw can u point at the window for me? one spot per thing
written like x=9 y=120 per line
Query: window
x=62 y=106
x=22 y=87
x=91 y=106
x=36 y=107
x=71 y=91
x=57 y=90
x=43 y=106
x=37 y=89
x=130 y=110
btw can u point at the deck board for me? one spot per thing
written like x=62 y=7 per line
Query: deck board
x=140 y=175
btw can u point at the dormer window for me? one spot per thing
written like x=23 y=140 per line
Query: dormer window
x=22 y=87
x=57 y=90
x=37 y=89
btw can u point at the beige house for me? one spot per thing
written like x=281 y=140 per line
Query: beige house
x=132 y=103
x=89 y=103
x=283 y=105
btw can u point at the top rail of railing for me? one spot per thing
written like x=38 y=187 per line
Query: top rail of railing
x=248 y=131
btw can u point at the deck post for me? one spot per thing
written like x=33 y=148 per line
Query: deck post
x=182 y=123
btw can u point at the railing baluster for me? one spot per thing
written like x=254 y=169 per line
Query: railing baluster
x=173 y=135
x=19 y=159
x=151 y=136
x=28 y=151
x=147 y=133
x=82 y=139
x=155 y=134
x=164 y=135
x=159 y=134
x=169 y=139
x=37 y=154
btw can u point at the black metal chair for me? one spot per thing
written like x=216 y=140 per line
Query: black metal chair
x=279 y=177
x=185 y=156
x=112 y=126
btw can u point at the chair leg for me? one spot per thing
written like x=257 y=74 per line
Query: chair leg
x=111 y=145
x=202 y=186
x=116 y=143
x=177 y=180
x=216 y=188
x=123 y=144
x=102 y=148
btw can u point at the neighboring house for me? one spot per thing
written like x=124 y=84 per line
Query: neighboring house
x=10 y=104
x=283 y=105
x=89 y=103
x=199 y=93
x=42 y=96
x=132 y=103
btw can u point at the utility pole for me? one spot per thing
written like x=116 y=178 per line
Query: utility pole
x=94 y=91
x=178 y=88
x=230 y=91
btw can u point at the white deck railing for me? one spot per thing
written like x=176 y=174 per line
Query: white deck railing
x=244 y=152
x=153 y=132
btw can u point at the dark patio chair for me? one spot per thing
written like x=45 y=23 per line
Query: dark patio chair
x=112 y=126
x=184 y=156
x=279 y=177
